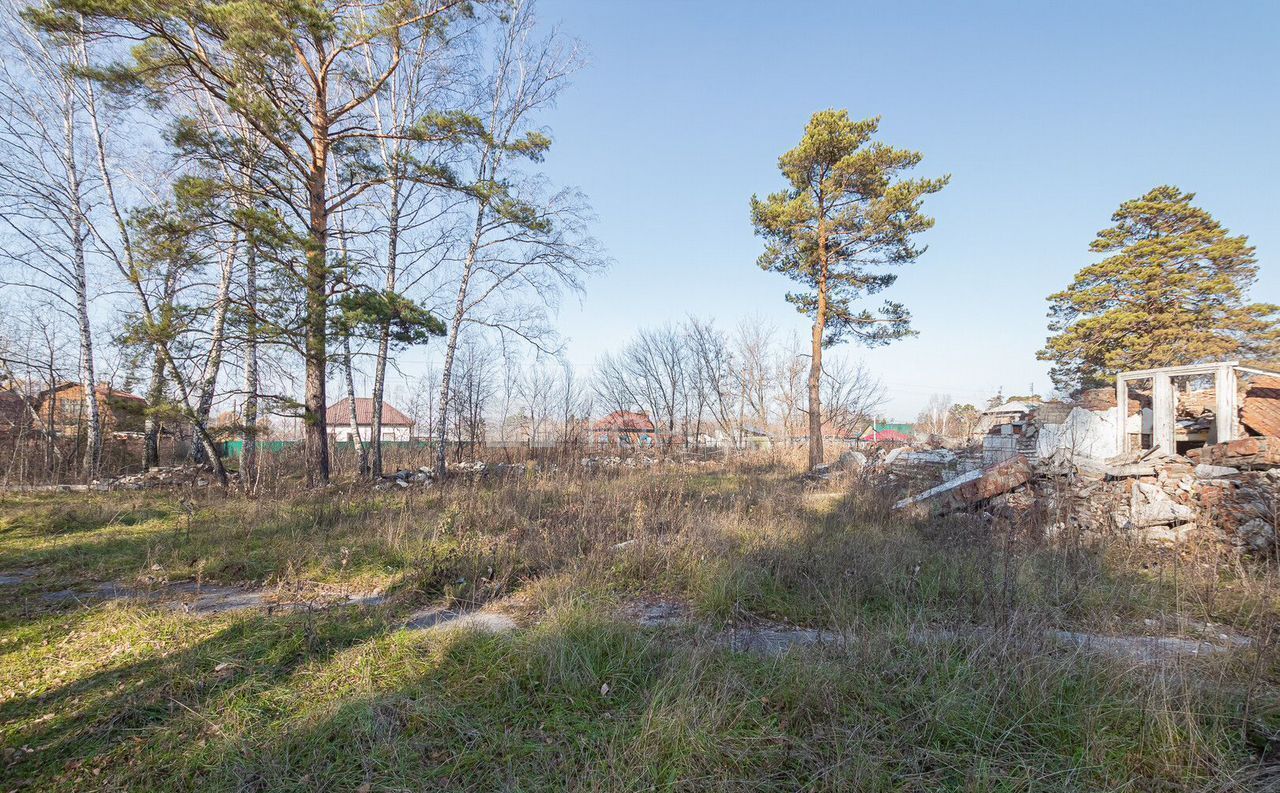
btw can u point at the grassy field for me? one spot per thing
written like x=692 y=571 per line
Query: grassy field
x=944 y=680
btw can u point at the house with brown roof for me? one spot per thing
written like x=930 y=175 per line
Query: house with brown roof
x=63 y=406
x=396 y=426
x=625 y=428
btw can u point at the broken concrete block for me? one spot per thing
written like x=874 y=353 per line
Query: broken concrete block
x=1159 y=513
x=1261 y=409
x=973 y=486
x=1257 y=534
x=851 y=460
x=1172 y=534
x=1245 y=453
x=893 y=455
x=1153 y=493
x=1204 y=471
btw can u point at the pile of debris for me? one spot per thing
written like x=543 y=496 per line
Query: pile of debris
x=1146 y=497
x=476 y=469
x=635 y=461
x=479 y=469
x=170 y=476
x=1078 y=475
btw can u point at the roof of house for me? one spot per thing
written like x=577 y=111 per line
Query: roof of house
x=339 y=413
x=905 y=429
x=103 y=390
x=1009 y=407
x=886 y=436
x=624 y=421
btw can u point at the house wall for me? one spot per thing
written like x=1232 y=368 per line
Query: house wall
x=118 y=414
x=343 y=433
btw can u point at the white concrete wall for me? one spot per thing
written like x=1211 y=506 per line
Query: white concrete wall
x=343 y=433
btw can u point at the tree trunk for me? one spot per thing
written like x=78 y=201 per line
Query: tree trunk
x=455 y=325
x=249 y=451
x=93 y=422
x=362 y=455
x=316 y=289
x=815 y=365
x=50 y=432
x=213 y=364
x=384 y=334
x=155 y=390
x=155 y=394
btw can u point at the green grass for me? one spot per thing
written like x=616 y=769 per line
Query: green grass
x=115 y=696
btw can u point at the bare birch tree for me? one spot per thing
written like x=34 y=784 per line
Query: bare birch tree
x=521 y=246
x=715 y=375
x=46 y=192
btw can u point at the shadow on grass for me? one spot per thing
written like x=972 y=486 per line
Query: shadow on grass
x=586 y=704
x=174 y=695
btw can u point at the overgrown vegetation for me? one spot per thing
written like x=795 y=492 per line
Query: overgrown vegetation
x=947 y=682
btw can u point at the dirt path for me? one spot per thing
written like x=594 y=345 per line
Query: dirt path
x=764 y=638
x=192 y=597
x=773 y=639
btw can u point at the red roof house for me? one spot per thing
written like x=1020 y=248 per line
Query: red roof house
x=396 y=426
x=886 y=436
x=624 y=428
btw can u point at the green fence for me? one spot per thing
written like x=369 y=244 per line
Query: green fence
x=233 y=449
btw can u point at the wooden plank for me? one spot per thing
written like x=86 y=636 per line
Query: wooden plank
x=1179 y=371
x=1122 y=414
x=1162 y=413
x=1224 y=421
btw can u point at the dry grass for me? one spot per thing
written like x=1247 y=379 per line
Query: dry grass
x=121 y=696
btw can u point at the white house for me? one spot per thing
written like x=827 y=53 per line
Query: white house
x=396 y=426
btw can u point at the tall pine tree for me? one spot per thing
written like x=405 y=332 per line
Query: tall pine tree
x=846 y=215
x=1172 y=290
x=299 y=77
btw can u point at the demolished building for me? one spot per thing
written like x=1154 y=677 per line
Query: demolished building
x=1167 y=454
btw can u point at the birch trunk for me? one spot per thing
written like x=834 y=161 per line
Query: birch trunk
x=362 y=454
x=217 y=334
x=384 y=335
x=455 y=325
x=79 y=233
x=249 y=450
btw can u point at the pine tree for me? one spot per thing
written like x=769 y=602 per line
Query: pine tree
x=296 y=74
x=846 y=215
x=1171 y=291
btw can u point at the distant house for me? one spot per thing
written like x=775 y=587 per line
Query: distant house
x=396 y=426
x=13 y=411
x=884 y=437
x=1001 y=415
x=1007 y=431
x=624 y=428
x=888 y=433
x=119 y=411
x=755 y=437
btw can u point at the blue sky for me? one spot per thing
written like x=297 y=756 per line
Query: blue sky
x=1047 y=116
